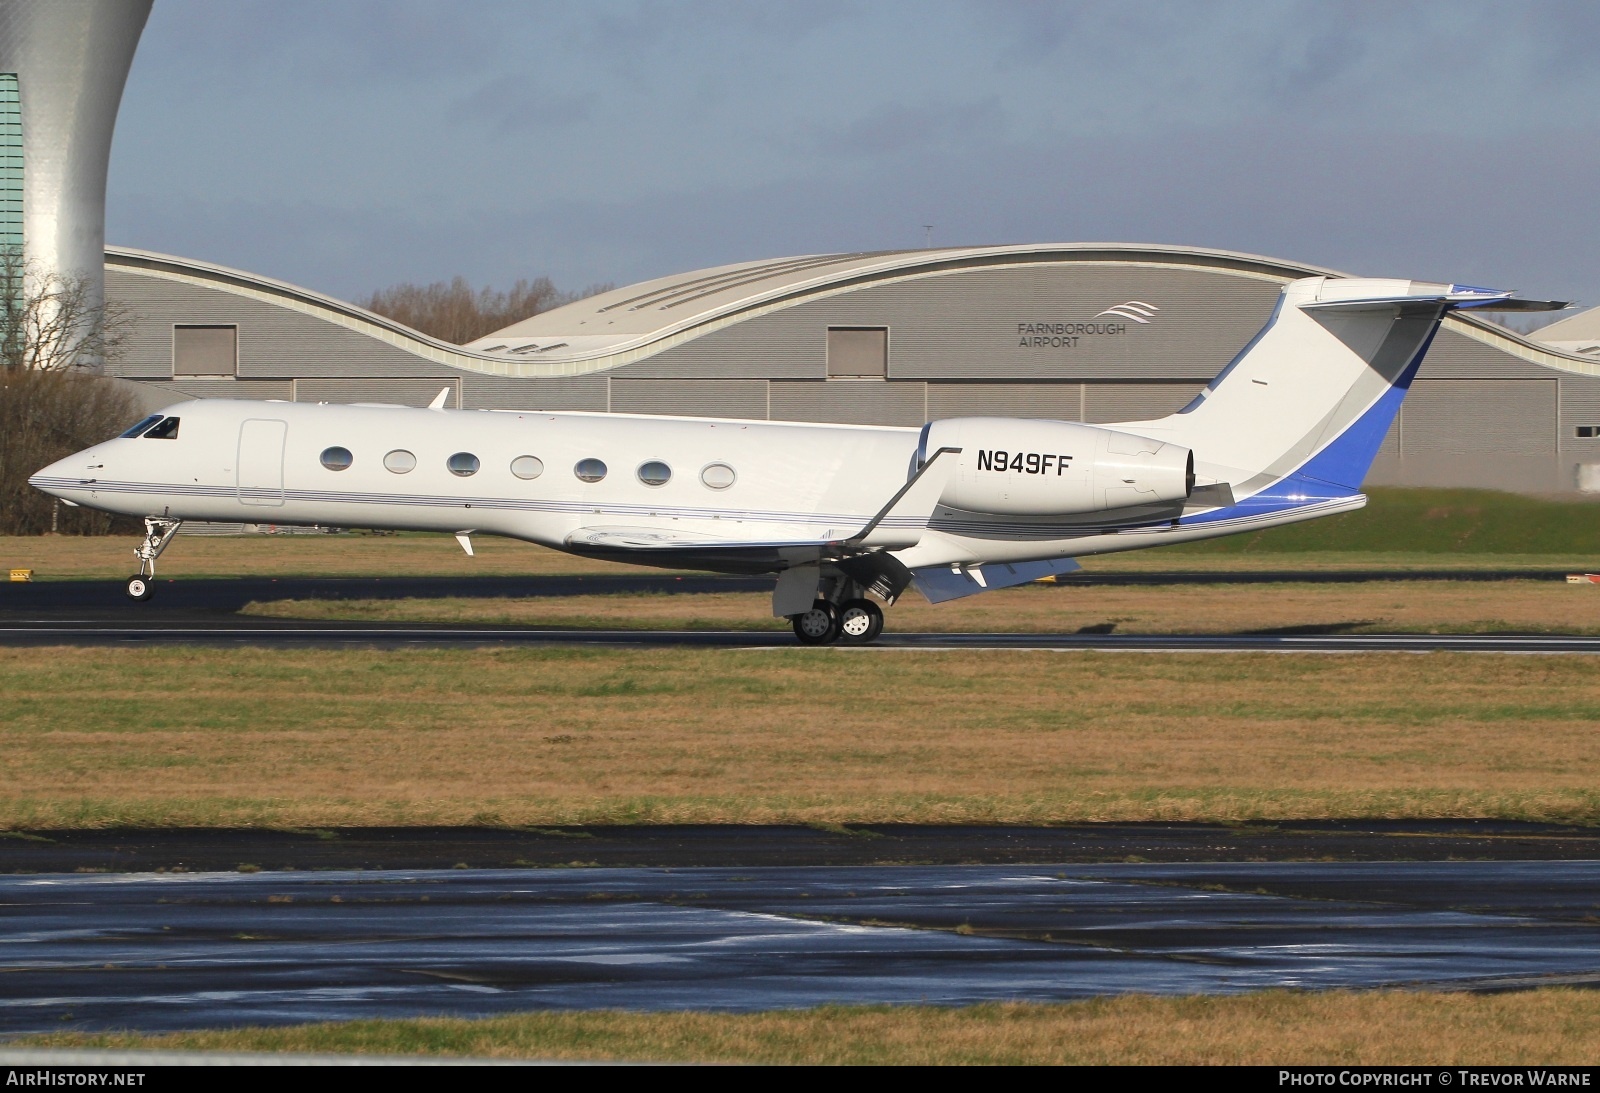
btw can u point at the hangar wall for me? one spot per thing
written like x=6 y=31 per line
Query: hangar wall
x=1027 y=339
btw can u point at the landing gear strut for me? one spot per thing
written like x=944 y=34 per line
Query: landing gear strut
x=158 y=532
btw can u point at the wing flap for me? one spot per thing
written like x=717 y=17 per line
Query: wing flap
x=940 y=583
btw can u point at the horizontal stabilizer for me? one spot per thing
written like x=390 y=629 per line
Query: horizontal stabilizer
x=1523 y=305
x=940 y=583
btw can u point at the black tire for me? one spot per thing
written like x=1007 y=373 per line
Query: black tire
x=860 y=621
x=818 y=626
x=139 y=587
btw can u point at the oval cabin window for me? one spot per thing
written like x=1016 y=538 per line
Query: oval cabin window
x=718 y=476
x=462 y=464
x=527 y=466
x=400 y=461
x=655 y=473
x=589 y=470
x=337 y=459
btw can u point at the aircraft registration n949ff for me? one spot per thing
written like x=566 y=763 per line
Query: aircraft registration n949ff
x=847 y=516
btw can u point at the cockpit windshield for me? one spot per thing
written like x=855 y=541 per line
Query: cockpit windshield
x=141 y=427
x=165 y=429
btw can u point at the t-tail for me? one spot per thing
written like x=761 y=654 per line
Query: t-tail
x=1294 y=423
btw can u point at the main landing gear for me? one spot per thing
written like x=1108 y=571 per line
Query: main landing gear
x=158 y=532
x=854 y=622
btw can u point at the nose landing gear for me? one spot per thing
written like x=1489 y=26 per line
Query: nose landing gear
x=158 y=532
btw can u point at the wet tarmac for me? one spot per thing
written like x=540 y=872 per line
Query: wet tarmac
x=166 y=951
x=129 y=850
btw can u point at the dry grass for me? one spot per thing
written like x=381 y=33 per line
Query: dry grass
x=222 y=737
x=1550 y=1027
x=1411 y=606
x=61 y=557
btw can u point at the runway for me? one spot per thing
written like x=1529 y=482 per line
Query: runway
x=186 y=595
x=289 y=633
x=156 y=952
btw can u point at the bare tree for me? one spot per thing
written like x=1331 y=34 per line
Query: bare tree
x=54 y=334
x=455 y=312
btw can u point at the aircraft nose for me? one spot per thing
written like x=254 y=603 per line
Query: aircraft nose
x=61 y=476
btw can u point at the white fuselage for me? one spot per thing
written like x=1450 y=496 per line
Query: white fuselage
x=228 y=463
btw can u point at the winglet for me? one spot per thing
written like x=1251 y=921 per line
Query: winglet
x=440 y=399
x=901 y=522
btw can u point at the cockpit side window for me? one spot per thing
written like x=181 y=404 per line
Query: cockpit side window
x=167 y=429
x=141 y=427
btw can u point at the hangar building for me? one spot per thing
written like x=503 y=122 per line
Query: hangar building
x=1090 y=332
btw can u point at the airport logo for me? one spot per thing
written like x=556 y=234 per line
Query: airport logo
x=1054 y=335
x=1137 y=310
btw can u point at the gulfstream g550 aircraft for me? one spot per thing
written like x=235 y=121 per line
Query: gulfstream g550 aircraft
x=840 y=513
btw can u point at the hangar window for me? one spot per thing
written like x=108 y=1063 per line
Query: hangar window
x=165 y=429
x=205 y=350
x=141 y=427
x=655 y=473
x=527 y=466
x=718 y=476
x=858 y=352
x=337 y=459
x=400 y=461
x=1587 y=431
x=463 y=464
x=589 y=470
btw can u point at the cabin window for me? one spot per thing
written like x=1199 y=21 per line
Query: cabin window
x=655 y=473
x=717 y=476
x=141 y=427
x=589 y=470
x=527 y=466
x=400 y=461
x=337 y=459
x=463 y=464
x=165 y=429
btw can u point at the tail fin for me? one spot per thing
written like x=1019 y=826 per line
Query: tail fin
x=1303 y=409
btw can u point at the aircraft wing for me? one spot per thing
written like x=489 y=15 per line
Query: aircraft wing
x=941 y=583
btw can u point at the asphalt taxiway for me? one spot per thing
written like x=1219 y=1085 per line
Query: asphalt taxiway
x=156 y=630
x=204 y=612
x=166 y=951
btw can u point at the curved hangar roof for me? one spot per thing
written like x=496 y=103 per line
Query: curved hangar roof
x=631 y=324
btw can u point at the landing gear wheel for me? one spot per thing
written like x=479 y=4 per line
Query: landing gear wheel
x=139 y=587
x=818 y=626
x=860 y=621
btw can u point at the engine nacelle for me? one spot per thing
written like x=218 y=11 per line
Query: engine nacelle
x=1022 y=467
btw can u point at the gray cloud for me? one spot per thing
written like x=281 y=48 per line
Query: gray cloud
x=350 y=145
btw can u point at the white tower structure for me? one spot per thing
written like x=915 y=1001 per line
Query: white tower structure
x=63 y=64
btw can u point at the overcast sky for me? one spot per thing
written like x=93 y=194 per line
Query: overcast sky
x=347 y=145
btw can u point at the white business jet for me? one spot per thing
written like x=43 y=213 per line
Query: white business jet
x=847 y=516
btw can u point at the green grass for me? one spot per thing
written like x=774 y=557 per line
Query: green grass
x=1552 y=1026
x=1432 y=521
x=550 y=737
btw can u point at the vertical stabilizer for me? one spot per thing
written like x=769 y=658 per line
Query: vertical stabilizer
x=1315 y=392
